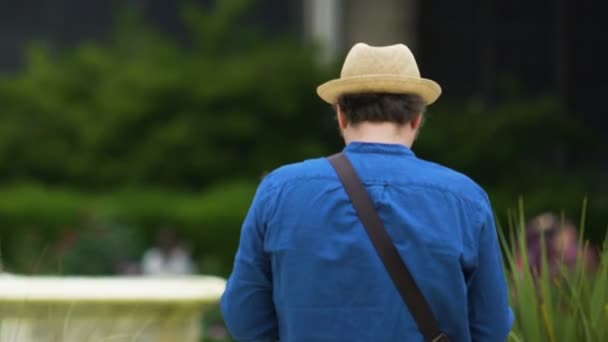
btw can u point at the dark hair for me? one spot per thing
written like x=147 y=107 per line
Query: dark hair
x=381 y=107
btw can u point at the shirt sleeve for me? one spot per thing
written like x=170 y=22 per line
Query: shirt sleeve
x=490 y=316
x=247 y=304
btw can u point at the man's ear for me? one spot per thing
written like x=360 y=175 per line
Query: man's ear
x=416 y=122
x=342 y=121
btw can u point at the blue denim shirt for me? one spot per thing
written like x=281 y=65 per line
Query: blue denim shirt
x=306 y=271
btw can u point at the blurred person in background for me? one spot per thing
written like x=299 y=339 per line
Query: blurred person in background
x=563 y=247
x=168 y=258
x=305 y=269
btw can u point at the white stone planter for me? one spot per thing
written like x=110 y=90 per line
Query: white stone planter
x=74 y=309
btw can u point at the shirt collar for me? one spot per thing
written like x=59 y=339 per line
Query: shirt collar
x=378 y=148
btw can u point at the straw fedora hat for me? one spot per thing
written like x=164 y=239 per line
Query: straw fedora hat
x=385 y=69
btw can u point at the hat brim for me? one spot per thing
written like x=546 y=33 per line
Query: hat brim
x=425 y=88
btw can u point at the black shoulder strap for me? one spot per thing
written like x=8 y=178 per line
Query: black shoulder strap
x=401 y=276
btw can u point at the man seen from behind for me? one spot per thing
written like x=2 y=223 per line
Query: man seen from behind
x=305 y=269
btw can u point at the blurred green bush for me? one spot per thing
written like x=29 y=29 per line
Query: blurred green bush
x=144 y=110
x=59 y=231
x=142 y=131
x=524 y=148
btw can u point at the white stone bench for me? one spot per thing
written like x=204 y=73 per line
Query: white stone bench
x=78 y=309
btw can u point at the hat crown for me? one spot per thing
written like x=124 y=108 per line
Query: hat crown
x=365 y=60
x=387 y=69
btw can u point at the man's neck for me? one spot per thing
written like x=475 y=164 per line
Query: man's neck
x=383 y=133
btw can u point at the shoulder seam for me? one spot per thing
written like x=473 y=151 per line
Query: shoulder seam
x=377 y=181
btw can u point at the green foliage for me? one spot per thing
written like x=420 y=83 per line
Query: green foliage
x=528 y=148
x=58 y=231
x=572 y=306
x=531 y=138
x=144 y=110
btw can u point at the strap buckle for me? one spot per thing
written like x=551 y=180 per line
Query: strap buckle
x=442 y=337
